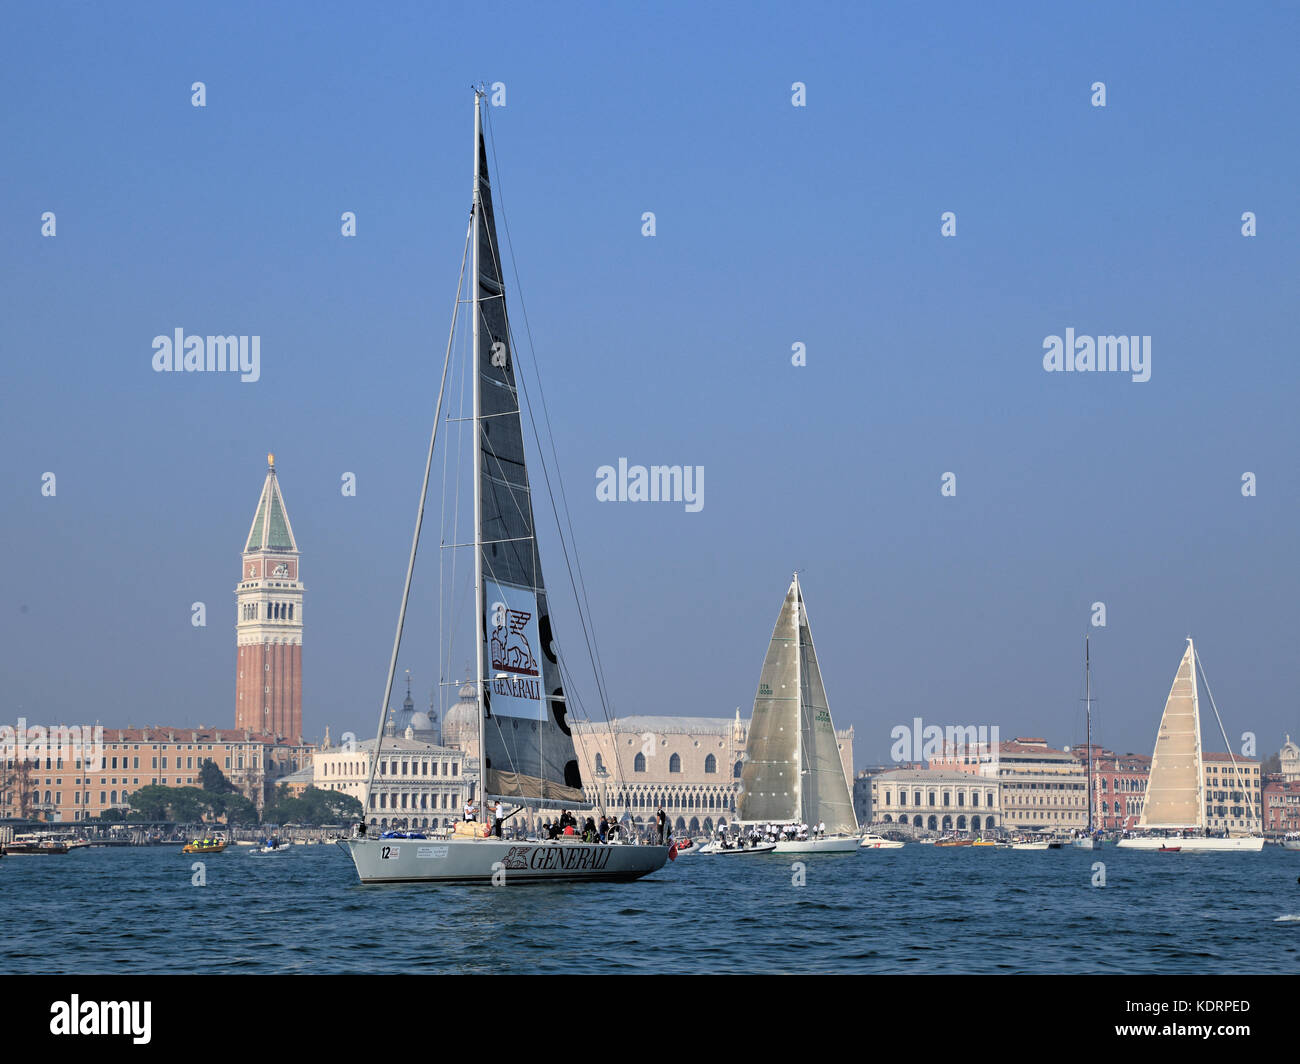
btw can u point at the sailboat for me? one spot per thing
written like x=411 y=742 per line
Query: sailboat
x=792 y=774
x=1175 y=798
x=1089 y=841
x=526 y=750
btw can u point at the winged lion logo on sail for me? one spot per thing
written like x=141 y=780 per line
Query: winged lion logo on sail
x=510 y=649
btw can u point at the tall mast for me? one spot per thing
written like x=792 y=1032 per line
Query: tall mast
x=798 y=687
x=479 y=611
x=1087 y=683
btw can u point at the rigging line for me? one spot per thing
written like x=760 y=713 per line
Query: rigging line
x=451 y=627
x=442 y=537
x=415 y=543
x=593 y=646
x=1250 y=806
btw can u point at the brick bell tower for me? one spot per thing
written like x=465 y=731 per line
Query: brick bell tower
x=268 y=687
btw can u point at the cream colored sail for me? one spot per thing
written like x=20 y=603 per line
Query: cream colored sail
x=1173 y=798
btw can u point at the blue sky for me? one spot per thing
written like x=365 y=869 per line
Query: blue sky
x=775 y=225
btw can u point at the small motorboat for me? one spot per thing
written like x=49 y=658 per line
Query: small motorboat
x=1170 y=849
x=879 y=842
x=955 y=842
x=1042 y=844
x=205 y=846
x=270 y=846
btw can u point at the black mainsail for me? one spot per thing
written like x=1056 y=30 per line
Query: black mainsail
x=527 y=753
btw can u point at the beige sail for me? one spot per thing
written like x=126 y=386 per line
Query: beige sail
x=1173 y=798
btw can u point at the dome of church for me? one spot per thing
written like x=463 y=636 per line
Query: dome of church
x=460 y=723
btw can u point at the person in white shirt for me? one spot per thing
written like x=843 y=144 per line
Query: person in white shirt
x=498 y=815
x=469 y=810
x=821 y=829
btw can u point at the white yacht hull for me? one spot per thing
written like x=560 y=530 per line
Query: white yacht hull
x=874 y=842
x=1249 y=844
x=1029 y=845
x=1291 y=844
x=478 y=860
x=1086 y=844
x=837 y=844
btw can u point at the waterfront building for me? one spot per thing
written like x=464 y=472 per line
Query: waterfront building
x=1233 y=793
x=936 y=800
x=269 y=622
x=689 y=766
x=63 y=788
x=417 y=784
x=1042 y=789
x=1281 y=803
x=1119 y=788
x=862 y=796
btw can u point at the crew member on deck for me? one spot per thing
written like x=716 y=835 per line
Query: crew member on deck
x=498 y=815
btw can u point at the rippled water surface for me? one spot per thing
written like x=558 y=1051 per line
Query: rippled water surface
x=912 y=910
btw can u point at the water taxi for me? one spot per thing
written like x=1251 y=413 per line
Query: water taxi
x=216 y=845
x=34 y=844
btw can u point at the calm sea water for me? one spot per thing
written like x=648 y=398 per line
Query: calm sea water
x=912 y=910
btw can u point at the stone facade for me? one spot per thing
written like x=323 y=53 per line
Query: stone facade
x=1042 y=789
x=416 y=785
x=935 y=800
x=56 y=788
x=1233 y=794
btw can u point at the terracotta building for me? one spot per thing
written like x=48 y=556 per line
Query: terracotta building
x=61 y=785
